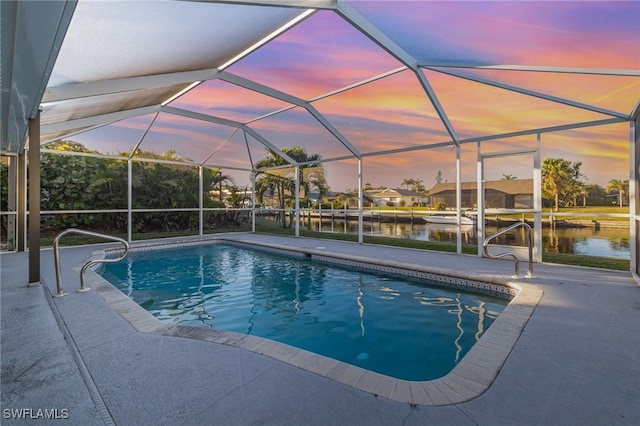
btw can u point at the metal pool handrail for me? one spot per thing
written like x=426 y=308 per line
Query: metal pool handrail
x=513 y=256
x=56 y=257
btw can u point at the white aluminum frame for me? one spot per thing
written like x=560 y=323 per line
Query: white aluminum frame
x=357 y=21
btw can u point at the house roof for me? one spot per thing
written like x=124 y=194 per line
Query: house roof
x=394 y=192
x=514 y=187
x=408 y=193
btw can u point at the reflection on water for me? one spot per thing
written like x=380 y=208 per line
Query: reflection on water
x=406 y=329
x=607 y=242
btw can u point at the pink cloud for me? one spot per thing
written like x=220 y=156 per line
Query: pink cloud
x=222 y=99
x=319 y=55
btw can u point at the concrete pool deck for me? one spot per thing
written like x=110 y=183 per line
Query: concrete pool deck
x=576 y=361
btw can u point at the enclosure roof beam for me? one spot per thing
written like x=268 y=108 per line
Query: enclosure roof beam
x=72 y=134
x=360 y=23
x=363 y=25
x=144 y=135
x=277 y=94
x=65 y=21
x=201 y=117
x=550 y=129
x=269 y=145
x=97 y=119
x=334 y=92
x=32 y=36
x=533 y=68
x=360 y=83
x=298 y=4
x=216 y=150
x=230 y=123
x=335 y=132
x=499 y=136
x=270 y=114
x=424 y=82
x=260 y=88
x=409 y=149
x=636 y=111
x=119 y=85
x=226 y=167
x=530 y=93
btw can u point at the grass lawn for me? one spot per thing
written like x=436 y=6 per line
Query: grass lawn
x=589 y=213
x=271 y=227
x=565 y=259
x=593 y=213
x=76 y=240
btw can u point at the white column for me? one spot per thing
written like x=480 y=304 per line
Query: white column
x=480 y=197
x=200 y=200
x=360 y=201
x=458 y=201
x=537 y=202
x=634 y=139
x=129 y=198
x=253 y=201
x=297 y=205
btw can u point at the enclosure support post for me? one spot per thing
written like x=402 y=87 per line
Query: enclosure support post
x=458 y=202
x=360 y=201
x=129 y=199
x=537 y=202
x=12 y=186
x=22 y=203
x=480 y=198
x=200 y=201
x=297 y=206
x=633 y=194
x=34 y=200
x=253 y=201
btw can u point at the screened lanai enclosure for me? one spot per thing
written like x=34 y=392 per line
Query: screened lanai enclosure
x=331 y=116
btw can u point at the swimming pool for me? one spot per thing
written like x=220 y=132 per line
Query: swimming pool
x=407 y=329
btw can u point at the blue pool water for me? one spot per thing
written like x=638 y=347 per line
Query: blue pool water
x=405 y=329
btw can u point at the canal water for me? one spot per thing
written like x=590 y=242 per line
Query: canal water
x=606 y=242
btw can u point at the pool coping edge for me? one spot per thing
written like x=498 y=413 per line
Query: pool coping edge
x=471 y=377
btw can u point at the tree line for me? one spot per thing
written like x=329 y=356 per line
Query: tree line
x=563 y=185
x=85 y=182
x=82 y=182
x=73 y=182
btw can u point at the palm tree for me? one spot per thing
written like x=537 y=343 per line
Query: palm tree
x=558 y=176
x=418 y=186
x=281 y=182
x=508 y=177
x=619 y=186
x=408 y=182
x=216 y=180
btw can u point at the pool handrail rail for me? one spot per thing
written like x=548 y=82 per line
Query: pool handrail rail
x=56 y=257
x=508 y=254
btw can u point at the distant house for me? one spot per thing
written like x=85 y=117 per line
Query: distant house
x=270 y=198
x=504 y=194
x=396 y=196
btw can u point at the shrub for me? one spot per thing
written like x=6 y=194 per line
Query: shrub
x=440 y=206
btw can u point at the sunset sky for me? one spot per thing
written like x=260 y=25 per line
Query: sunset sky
x=324 y=53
